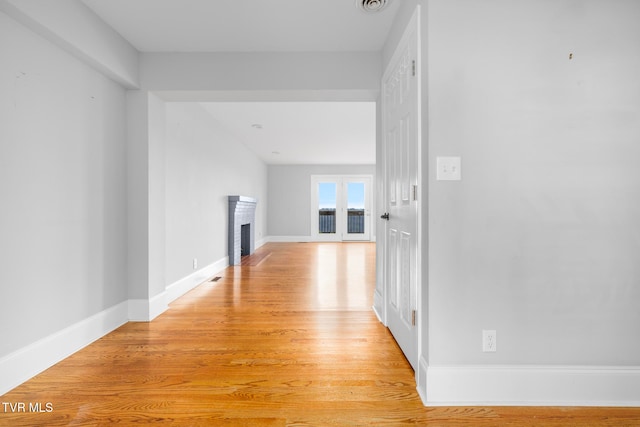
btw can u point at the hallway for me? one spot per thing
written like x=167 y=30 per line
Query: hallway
x=288 y=338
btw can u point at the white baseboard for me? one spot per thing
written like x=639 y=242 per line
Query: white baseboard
x=184 y=285
x=421 y=379
x=289 y=239
x=143 y=310
x=306 y=239
x=378 y=307
x=261 y=242
x=23 y=364
x=530 y=386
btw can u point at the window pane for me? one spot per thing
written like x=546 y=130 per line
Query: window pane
x=355 y=207
x=327 y=207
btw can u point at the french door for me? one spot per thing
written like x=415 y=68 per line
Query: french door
x=341 y=207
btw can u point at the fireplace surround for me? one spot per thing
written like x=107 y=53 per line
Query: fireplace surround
x=242 y=218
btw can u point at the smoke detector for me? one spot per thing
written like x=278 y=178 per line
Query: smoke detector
x=371 y=5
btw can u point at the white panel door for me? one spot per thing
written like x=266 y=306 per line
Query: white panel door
x=401 y=155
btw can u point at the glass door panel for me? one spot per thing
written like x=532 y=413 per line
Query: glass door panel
x=327 y=205
x=357 y=210
x=355 y=207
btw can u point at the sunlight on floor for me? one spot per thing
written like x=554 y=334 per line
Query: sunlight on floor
x=340 y=285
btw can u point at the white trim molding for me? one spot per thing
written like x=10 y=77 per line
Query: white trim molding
x=307 y=239
x=289 y=239
x=531 y=386
x=379 y=307
x=29 y=361
x=259 y=242
x=142 y=310
x=145 y=310
x=421 y=379
x=184 y=285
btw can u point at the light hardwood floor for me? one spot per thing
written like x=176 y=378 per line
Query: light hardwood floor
x=286 y=339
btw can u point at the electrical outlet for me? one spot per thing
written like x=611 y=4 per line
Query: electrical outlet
x=195 y=263
x=489 y=341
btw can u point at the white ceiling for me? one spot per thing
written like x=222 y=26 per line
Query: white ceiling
x=303 y=133
x=246 y=25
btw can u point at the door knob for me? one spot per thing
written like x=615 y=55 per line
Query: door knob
x=385 y=216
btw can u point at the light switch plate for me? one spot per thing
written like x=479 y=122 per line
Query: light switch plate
x=448 y=169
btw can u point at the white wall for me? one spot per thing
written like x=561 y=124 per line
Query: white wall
x=72 y=26
x=63 y=190
x=204 y=165
x=289 y=211
x=541 y=239
x=355 y=72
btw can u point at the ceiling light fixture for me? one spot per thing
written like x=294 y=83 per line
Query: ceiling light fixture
x=371 y=5
x=256 y=126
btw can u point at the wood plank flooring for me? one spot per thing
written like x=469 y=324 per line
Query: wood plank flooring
x=288 y=338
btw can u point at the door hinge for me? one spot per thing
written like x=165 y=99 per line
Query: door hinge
x=413 y=318
x=415 y=192
x=413 y=67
